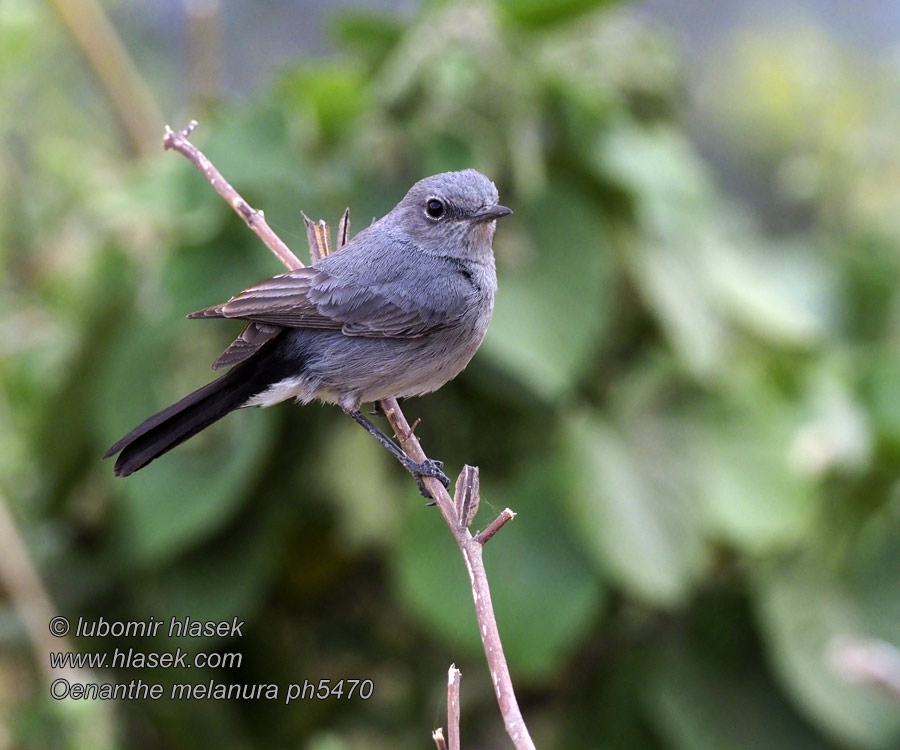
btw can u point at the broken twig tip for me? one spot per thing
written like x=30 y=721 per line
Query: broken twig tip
x=506 y=515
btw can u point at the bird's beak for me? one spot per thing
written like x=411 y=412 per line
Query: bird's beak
x=494 y=212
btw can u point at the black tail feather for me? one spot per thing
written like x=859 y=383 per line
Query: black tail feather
x=184 y=419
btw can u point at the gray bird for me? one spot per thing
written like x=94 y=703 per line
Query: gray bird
x=397 y=312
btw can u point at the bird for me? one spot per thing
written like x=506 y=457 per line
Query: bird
x=397 y=312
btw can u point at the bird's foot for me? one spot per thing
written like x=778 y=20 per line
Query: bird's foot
x=428 y=468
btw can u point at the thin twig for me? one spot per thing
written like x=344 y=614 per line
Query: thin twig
x=178 y=141
x=453 y=677
x=94 y=726
x=126 y=90
x=344 y=229
x=438 y=736
x=21 y=580
x=470 y=547
x=506 y=515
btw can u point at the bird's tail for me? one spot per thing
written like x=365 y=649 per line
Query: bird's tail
x=195 y=412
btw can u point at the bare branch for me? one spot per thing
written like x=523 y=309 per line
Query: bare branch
x=22 y=582
x=47 y=633
x=481 y=591
x=178 y=141
x=438 y=736
x=453 y=677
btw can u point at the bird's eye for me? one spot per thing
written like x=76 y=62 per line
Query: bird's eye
x=434 y=208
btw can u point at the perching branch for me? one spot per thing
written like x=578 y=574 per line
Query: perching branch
x=256 y=220
x=458 y=512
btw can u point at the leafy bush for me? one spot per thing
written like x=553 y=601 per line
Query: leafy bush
x=694 y=417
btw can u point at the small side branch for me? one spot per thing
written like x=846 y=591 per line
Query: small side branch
x=483 y=537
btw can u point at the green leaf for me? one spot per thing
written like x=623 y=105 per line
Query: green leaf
x=222 y=582
x=540 y=12
x=803 y=608
x=361 y=494
x=171 y=506
x=554 y=300
x=676 y=243
x=699 y=702
x=332 y=94
x=748 y=491
x=371 y=36
x=630 y=512
x=188 y=494
x=880 y=393
x=783 y=294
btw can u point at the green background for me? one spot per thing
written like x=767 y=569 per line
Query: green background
x=690 y=391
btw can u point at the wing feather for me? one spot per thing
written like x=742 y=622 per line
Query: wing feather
x=314 y=298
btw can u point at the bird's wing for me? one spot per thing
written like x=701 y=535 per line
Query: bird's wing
x=251 y=340
x=282 y=301
x=357 y=305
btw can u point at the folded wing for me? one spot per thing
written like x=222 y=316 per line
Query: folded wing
x=314 y=298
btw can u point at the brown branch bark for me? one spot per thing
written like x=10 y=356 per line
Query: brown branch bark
x=256 y=220
x=453 y=677
x=471 y=549
x=457 y=515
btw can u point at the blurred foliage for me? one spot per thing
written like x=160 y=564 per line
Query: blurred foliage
x=691 y=401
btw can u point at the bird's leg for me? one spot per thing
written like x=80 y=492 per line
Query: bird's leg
x=377 y=411
x=427 y=468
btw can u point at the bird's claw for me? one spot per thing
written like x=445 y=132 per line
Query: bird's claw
x=430 y=467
